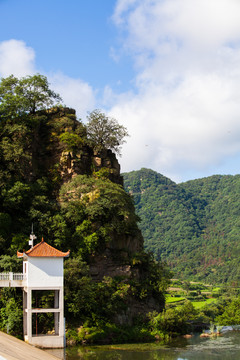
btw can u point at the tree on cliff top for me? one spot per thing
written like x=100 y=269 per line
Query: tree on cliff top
x=25 y=95
x=105 y=132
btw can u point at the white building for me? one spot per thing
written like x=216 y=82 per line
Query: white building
x=43 y=274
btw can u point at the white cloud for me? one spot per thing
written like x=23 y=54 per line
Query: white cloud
x=153 y=22
x=75 y=93
x=185 y=114
x=16 y=58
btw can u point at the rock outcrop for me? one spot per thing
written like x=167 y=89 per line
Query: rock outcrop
x=61 y=149
x=62 y=158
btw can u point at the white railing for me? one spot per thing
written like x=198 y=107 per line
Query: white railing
x=4 y=276
x=12 y=276
x=19 y=276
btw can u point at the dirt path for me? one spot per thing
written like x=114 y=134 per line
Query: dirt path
x=15 y=349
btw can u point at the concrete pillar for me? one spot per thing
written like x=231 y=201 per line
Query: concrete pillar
x=56 y=323
x=56 y=299
x=29 y=313
x=61 y=313
x=56 y=315
x=24 y=312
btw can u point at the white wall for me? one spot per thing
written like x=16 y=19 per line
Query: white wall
x=44 y=271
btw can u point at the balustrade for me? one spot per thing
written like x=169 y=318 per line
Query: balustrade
x=14 y=278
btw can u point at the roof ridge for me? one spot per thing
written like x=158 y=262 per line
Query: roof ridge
x=35 y=246
x=47 y=250
x=52 y=247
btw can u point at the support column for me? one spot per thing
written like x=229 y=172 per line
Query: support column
x=61 y=313
x=24 y=312
x=29 y=314
x=56 y=315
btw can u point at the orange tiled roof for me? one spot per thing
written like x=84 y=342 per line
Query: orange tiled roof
x=43 y=249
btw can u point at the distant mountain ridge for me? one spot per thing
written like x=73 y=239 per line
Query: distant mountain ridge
x=193 y=226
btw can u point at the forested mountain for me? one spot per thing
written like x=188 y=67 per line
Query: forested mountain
x=193 y=226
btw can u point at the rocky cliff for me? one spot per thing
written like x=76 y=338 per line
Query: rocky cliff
x=61 y=149
x=52 y=176
x=68 y=155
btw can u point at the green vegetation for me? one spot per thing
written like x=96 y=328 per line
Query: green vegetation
x=200 y=304
x=48 y=177
x=174 y=299
x=11 y=314
x=105 y=132
x=183 y=314
x=231 y=314
x=193 y=226
x=95 y=208
x=199 y=308
x=25 y=96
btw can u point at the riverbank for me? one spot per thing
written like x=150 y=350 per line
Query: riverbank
x=12 y=348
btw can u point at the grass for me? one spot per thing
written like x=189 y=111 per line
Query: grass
x=216 y=289
x=172 y=299
x=199 y=304
x=175 y=301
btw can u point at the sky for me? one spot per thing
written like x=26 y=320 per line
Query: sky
x=167 y=70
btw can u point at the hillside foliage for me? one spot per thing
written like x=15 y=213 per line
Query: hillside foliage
x=40 y=148
x=193 y=226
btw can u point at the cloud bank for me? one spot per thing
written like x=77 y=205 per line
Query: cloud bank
x=185 y=113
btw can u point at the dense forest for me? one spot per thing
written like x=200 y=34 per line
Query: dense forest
x=193 y=226
x=62 y=177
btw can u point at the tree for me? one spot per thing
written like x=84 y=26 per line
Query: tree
x=79 y=289
x=231 y=314
x=11 y=311
x=25 y=96
x=186 y=286
x=105 y=132
x=96 y=209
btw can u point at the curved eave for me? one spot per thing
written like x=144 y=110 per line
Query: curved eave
x=62 y=255
x=20 y=255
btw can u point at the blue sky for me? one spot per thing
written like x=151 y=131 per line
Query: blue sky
x=74 y=37
x=168 y=70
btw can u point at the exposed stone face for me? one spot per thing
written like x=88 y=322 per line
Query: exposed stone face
x=73 y=163
x=129 y=243
x=134 y=308
x=111 y=264
x=115 y=259
x=107 y=159
x=49 y=150
x=86 y=162
x=97 y=161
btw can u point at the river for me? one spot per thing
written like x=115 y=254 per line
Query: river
x=224 y=347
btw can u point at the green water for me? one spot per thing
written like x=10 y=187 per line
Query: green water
x=225 y=347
